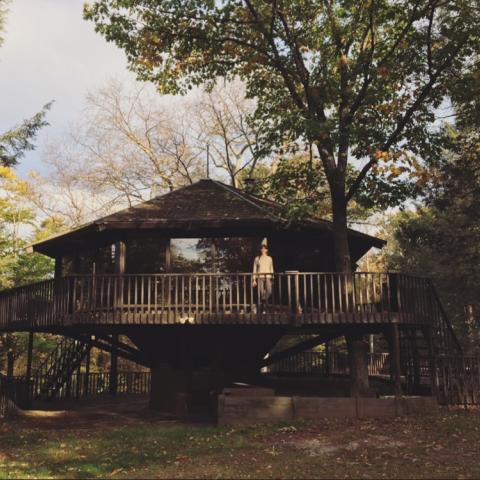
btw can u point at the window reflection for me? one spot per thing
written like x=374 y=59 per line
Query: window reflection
x=146 y=255
x=229 y=255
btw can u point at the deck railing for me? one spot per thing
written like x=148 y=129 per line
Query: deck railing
x=458 y=378
x=14 y=391
x=83 y=384
x=294 y=297
x=333 y=363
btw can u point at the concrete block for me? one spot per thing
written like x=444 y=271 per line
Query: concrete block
x=416 y=405
x=248 y=391
x=376 y=407
x=234 y=410
x=169 y=390
x=311 y=408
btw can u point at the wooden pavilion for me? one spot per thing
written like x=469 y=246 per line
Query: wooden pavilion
x=174 y=275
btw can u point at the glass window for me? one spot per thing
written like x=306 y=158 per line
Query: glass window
x=190 y=255
x=226 y=255
x=146 y=255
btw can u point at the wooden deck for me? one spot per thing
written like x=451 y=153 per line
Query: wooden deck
x=297 y=298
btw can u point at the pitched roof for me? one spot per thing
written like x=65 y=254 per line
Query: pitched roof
x=206 y=204
x=202 y=201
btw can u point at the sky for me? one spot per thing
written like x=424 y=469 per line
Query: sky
x=51 y=53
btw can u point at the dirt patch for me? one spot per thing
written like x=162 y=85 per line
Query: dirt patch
x=322 y=446
x=126 y=442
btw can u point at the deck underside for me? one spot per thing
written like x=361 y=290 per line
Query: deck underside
x=165 y=317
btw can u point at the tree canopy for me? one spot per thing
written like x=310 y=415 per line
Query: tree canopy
x=441 y=238
x=359 y=80
x=18 y=140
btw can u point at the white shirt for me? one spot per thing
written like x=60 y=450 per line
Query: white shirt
x=263 y=264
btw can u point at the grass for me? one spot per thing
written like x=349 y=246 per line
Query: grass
x=440 y=445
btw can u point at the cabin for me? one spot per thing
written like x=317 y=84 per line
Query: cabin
x=175 y=276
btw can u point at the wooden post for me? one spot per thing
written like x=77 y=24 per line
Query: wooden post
x=415 y=360
x=328 y=366
x=58 y=267
x=10 y=363
x=428 y=333
x=29 y=356
x=86 y=385
x=168 y=257
x=120 y=254
x=77 y=386
x=394 y=346
x=120 y=258
x=113 y=366
x=358 y=363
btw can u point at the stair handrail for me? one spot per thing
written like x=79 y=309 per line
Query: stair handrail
x=444 y=316
x=45 y=365
x=45 y=375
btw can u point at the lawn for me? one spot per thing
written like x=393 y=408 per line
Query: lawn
x=124 y=445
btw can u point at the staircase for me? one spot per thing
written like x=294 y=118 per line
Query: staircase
x=58 y=367
x=419 y=347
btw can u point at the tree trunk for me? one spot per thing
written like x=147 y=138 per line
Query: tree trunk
x=357 y=354
x=340 y=231
x=358 y=362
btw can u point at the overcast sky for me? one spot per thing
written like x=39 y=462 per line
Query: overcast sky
x=51 y=53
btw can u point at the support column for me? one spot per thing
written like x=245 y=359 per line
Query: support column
x=416 y=360
x=169 y=390
x=120 y=262
x=10 y=363
x=86 y=385
x=120 y=257
x=114 y=367
x=358 y=362
x=58 y=267
x=428 y=333
x=328 y=366
x=168 y=257
x=77 y=385
x=395 y=363
x=29 y=356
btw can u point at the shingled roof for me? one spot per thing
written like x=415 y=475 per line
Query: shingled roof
x=206 y=204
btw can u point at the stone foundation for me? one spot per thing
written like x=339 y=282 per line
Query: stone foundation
x=240 y=409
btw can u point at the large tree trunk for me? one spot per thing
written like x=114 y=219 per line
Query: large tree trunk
x=357 y=354
x=340 y=232
x=358 y=362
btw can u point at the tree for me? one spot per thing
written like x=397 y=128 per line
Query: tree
x=442 y=237
x=222 y=125
x=3 y=15
x=17 y=141
x=359 y=80
x=130 y=145
x=300 y=185
x=19 y=226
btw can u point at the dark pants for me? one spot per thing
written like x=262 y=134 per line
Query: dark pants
x=264 y=289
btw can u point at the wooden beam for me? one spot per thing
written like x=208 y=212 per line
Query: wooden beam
x=394 y=346
x=300 y=347
x=86 y=386
x=133 y=355
x=119 y=345
x=10 y=363
x=120 y=257
x=168 y=256
x=428 y=334
x=114 y=366
x=58 y=267
x=29 y=356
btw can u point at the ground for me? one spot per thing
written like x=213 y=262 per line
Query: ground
x=125 y=440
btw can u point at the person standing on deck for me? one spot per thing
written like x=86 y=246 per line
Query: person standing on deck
x=263 y=275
